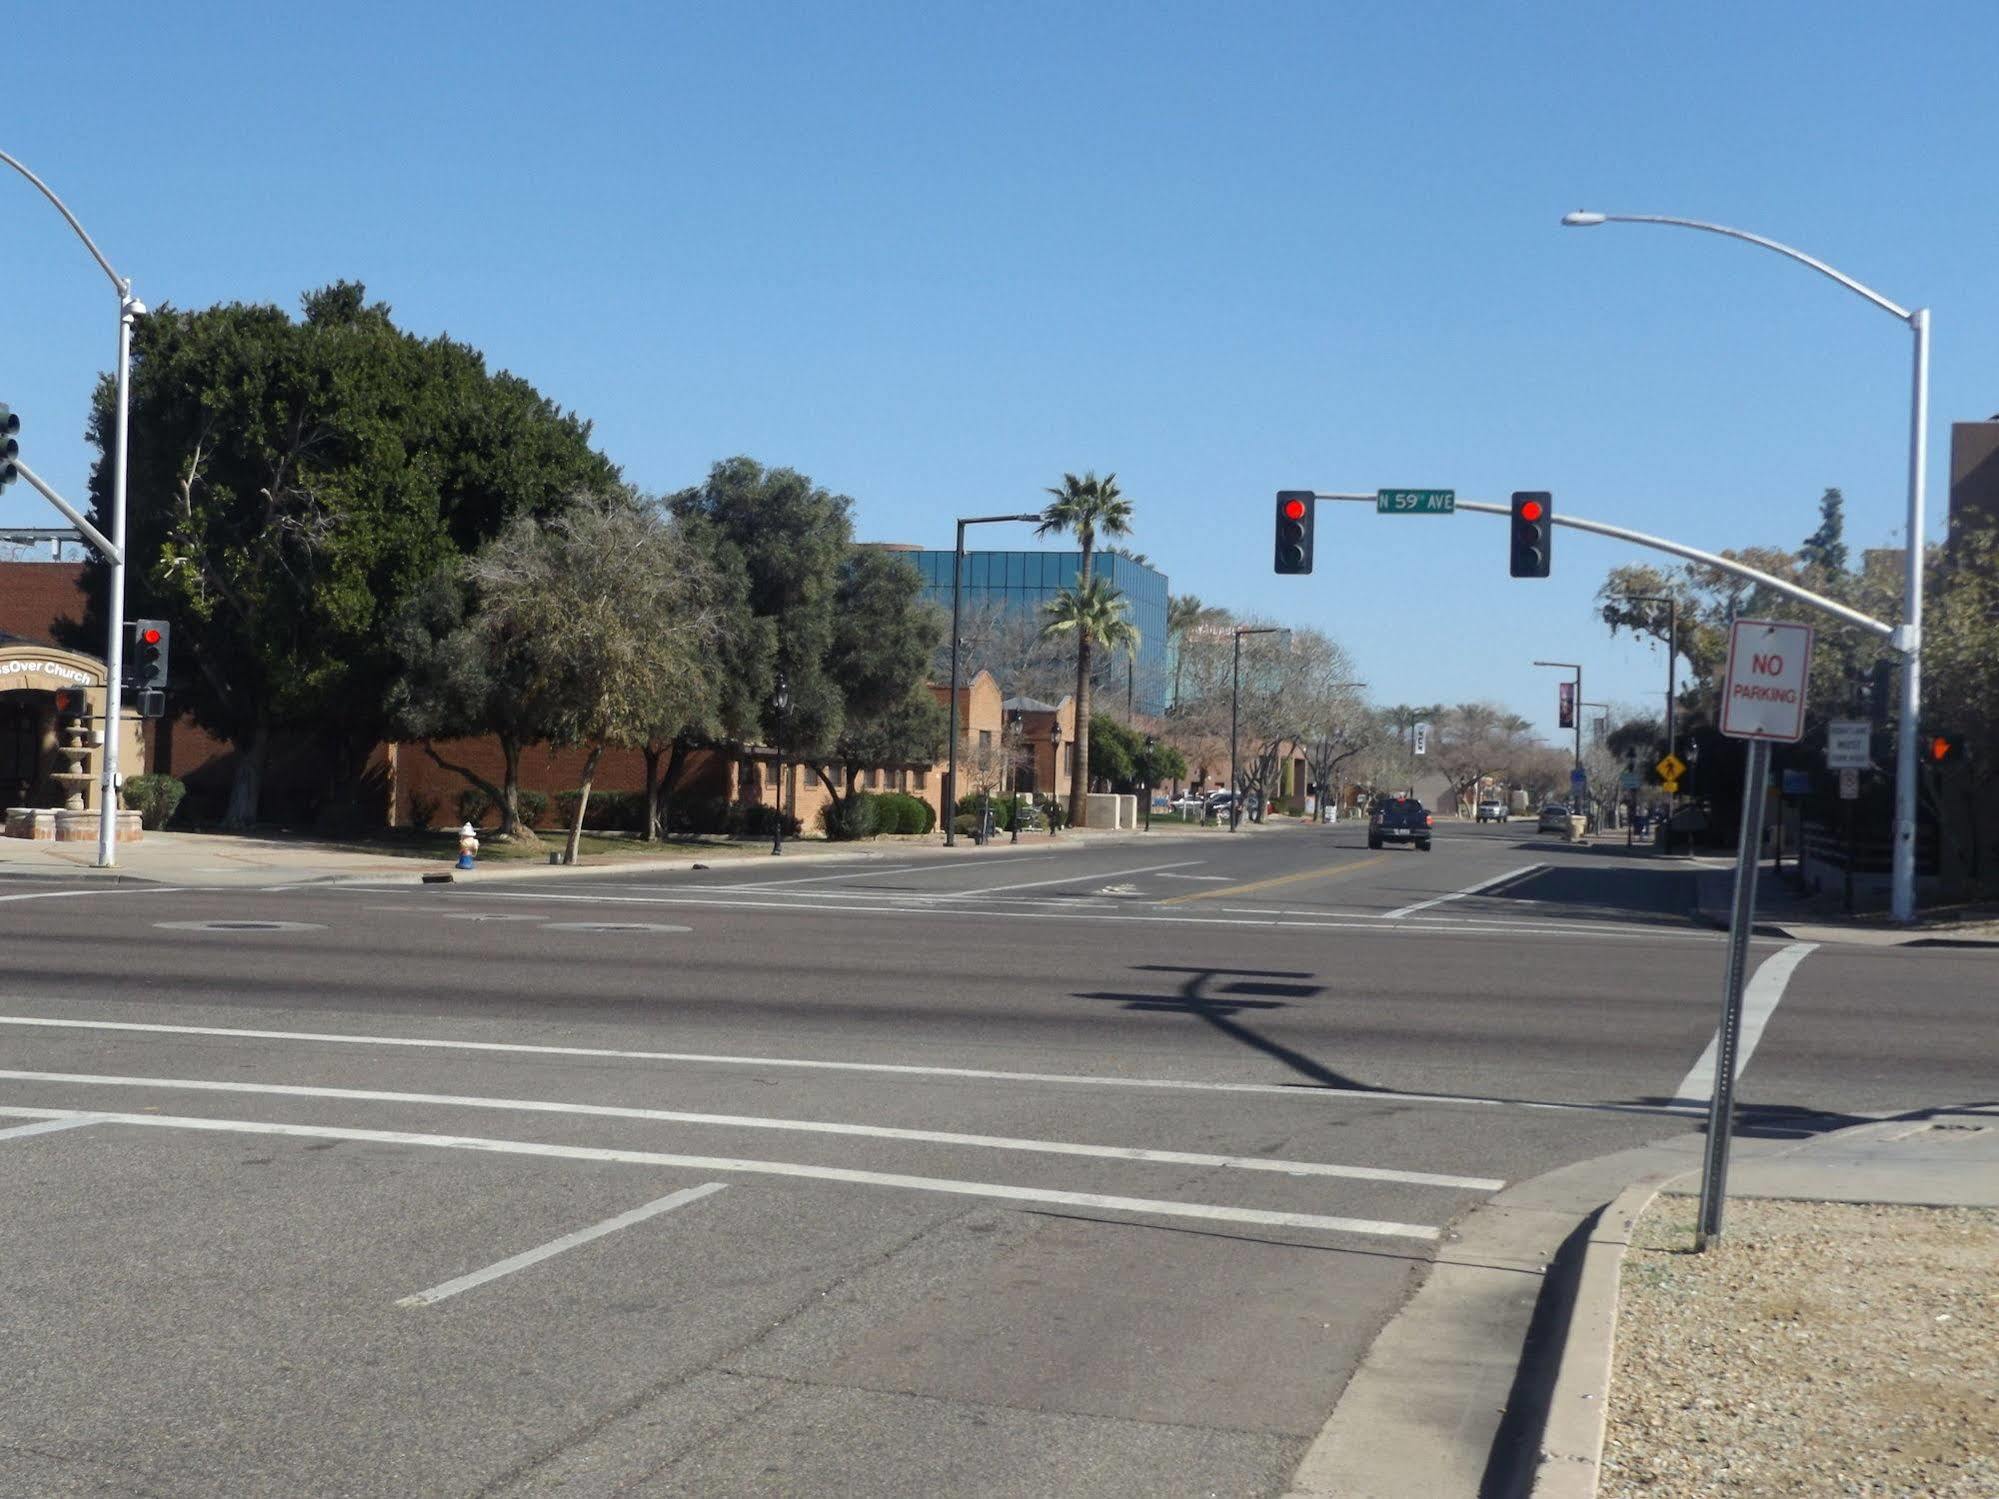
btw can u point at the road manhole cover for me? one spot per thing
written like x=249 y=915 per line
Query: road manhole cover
x=613 y=926
x=240 y=926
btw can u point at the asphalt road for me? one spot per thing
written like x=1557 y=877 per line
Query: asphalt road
x=1035 y=1172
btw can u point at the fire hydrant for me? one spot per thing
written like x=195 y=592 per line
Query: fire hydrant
x=468 y=845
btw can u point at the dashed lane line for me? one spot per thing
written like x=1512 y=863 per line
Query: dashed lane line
x=894 y=1069
x=1482 y=885
x=800 y=1126
x=724 y=1165
x=554 y=1247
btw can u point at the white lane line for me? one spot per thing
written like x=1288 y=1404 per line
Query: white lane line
x=1074 y=879
x=555 y=1246
x=725 y=1164
x=48 y=1126
x=1498 y=879
x=115 y=890
x=1222 y=879
x=898 y=1069
x=1486 y=926
x=799 y=1126
x=1759 y=1003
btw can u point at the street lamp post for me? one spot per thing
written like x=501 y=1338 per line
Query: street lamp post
x=781 y=700
x=1235 y=704
x=129 y=308
x=957 y=589
x=1672 y=658
x=1909 y=637
x=1013 y=767
x=1055 y=797
x=1148 y=782
x=1577 y=716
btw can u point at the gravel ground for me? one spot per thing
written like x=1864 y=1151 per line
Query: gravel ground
x=1818 y=1349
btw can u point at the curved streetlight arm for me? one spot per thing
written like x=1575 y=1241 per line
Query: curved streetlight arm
x=1586 y=220
x=123 y=284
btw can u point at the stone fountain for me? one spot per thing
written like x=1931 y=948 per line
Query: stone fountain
x=73 y=778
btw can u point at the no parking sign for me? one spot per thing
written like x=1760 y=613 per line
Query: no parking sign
x=1763 y=695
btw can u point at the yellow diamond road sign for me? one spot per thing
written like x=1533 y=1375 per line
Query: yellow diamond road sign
x=1672 y=788
x=1670 y=768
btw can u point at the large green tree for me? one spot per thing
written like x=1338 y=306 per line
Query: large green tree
x=293 y=483
x=884 y=635
x=790 y=538
x=1085 y=508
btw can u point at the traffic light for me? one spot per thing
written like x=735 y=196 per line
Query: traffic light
x=1941 y=749
x=10 y=449
x=72 y=703
x=146 y=642
x=1533 y=532
x=1294 y=530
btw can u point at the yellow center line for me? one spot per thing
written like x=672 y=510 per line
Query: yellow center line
x=1330 y=872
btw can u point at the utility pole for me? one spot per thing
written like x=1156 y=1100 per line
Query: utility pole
x=957 y=589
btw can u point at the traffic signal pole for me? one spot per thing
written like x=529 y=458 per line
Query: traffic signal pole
x=129 y=308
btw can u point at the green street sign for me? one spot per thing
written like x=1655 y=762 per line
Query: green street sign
x=1415 y=502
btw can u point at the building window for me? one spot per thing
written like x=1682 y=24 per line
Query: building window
x=985 y=740
x=922 y=778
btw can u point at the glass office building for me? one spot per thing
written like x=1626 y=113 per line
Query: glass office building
x=1027 y=580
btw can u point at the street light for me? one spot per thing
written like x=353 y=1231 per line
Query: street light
x=957 y=587
x=781 y=700
x=129 y=308
x=1055 y=798
x=1148 y=783
x=1235 y=699
x=1672 y=658
x=1013 y=768
x=1578 y=714
x=1908 y=638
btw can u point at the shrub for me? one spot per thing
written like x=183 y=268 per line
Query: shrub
x=423 y=810
x=965 y=825
x=696 y=814
x=474 y=806
x=859 y=816
x=899 y=812
x=154 y=798
x=1002 y=808
x=929 y=820
x=756 y=820
x=609 y=811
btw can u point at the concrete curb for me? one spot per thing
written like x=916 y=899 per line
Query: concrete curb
x=1572 y=1436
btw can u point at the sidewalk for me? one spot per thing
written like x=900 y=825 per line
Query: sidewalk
x=1808 y=1350
x=235 y=859
x=1496 y=1376
x=1782 y=911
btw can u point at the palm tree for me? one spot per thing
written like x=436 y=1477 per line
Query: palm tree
x=1086 y=508
x=1183 y=612
x=1091 y=611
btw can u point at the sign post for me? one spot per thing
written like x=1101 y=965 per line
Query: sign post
x=1763 y=701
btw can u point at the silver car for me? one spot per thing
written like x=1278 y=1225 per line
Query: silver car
x=1554 y=818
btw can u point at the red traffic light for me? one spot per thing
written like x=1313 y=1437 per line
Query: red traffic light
x=149 y=637
x=1294 y=509
x=1530 y=510
x=1939 y=749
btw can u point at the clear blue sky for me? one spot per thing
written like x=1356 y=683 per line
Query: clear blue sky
x=935 y=254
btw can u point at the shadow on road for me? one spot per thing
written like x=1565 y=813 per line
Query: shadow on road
x=1607 y=894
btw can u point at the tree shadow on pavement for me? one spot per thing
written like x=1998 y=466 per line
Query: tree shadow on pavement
x=1596 y=894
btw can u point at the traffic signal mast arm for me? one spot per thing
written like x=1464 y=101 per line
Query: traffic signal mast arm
x=74 y=516
x=1891 y=633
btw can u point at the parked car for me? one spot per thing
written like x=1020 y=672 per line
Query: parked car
x=1554 y=818
x=1492 y=811
x=1189 y=801
x=1400 y=821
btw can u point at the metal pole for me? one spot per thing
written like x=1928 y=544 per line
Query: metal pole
x=114 y=649
x=1721 y=1107
x=1672 y=743
x=777 y=797
x=1579 y=717
x=1903 y=892
x=951 y=763
x=1235 y=700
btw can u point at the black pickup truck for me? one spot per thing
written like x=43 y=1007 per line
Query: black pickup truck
x=1399 y=820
